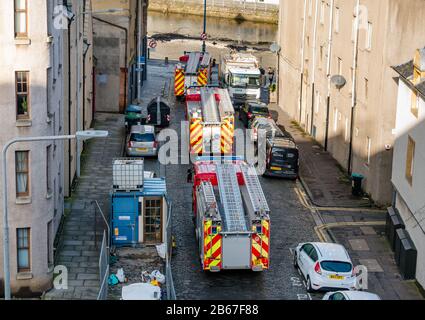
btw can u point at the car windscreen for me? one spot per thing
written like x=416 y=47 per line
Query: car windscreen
x=142 y=137
x=336 y=266
x=258 y=109
x=283 y=155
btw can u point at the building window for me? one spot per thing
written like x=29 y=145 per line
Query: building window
x=336 y=120
x=410 y=158
x=50 y=243
x=414 y=108
x=369 y=149
x=369 y=36
x=310 y=8
x=366 y=88
x=22 y=94
x=21 y=18
x=23 y=249
x=22 y=173
x=353 y=31
x=339 y=66
x=346 y=129
x=337 y=20
x=322 y=12
x=49 y=169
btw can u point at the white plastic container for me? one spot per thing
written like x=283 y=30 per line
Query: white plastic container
x=128 y=174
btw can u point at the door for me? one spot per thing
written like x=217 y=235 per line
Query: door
x=123 y=89
x=303 y=259
x=153 y=222
x=125 y=224
x=236 y=251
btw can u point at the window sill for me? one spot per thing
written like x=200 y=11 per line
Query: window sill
x=22 y=41
x=24 y=276
x=23 y=123
x=23 y=200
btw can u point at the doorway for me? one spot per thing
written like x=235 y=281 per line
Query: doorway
x=153 y=221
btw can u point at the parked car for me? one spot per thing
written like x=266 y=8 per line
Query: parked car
x=282 y=158
x=351 y=295
x=253 y=109
x=141 y=142
x=159 y=113
x=269 y=125
x=325 y=266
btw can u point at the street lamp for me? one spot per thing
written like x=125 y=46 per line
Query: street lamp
x=80 y=136
x=205 y=25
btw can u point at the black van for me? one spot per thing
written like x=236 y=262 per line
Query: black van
x=282 y=158
x=162 y=119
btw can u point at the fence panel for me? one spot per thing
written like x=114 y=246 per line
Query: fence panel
x=171 y=293
x=103 y=269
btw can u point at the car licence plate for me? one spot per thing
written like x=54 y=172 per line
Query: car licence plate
x=142 y=149
x=335 y=277
x=276 y=169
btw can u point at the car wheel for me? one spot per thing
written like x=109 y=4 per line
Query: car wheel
x=295 y=261
x=309 y=288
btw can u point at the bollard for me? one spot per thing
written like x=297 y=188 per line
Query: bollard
x=166 y=61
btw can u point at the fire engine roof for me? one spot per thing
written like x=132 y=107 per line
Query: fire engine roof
x=247 y=71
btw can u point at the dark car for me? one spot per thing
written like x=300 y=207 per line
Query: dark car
x=253 y=109
x=282 y=158
x=159 y=113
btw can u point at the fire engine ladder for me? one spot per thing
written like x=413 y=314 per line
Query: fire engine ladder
x=209 y=106
x=193 y=63
x=208 y=199
x=255 y=191
x=225 y=105
x=231 y=199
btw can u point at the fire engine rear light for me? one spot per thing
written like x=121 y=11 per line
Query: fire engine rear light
x=317 y=268
x=214 y=230
x=249 y=115
x=259 y=229
x=130 y=144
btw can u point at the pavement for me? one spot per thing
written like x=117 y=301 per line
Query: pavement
x=343 y=218
x=79 y=247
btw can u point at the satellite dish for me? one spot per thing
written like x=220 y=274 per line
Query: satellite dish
x=275 y=48
x=339 y=81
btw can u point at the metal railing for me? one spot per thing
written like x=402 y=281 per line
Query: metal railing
x=103 y=269
x=104 y=252
x=253 y=5
x=171 y=292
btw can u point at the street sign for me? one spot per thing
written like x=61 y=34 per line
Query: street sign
x=275 y=48
x=204 y=36
x=152 y=43
x=142 y=60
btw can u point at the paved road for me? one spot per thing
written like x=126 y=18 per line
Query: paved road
x=291 y=223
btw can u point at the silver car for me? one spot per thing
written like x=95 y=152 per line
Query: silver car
x=141 y=142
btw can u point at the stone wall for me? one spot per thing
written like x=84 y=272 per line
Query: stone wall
x=256 y=12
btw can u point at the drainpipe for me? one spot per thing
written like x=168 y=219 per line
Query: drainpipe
x=69 y=106
x=353 y=90
x=313 y=76
x=139 y=51
x=302 y=61
x=126 y=51
x=328 y=73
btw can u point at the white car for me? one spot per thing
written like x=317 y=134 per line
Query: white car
x=325 y=266
x=351 y=295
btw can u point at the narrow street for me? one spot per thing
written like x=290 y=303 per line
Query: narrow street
x=291 y=223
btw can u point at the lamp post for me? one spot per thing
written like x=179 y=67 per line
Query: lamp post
x=205 y=25
x=80 y=136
